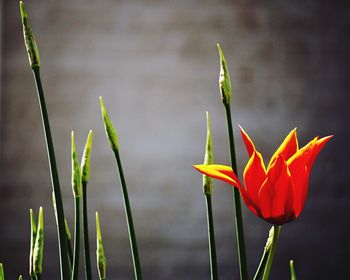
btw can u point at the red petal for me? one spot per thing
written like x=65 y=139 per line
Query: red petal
x=248 y=142
x=318 y=148
x=226 y=174
x=288 y=147
x=254 y=176
x=277 y=194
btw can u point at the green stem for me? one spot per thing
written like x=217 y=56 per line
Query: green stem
x=86 y=235
x=61 y=231
x=237 y=202
x=131 y=230
x=271 y=253
x=70 y=252
x=211 y=237
x=293 y=275
x=76 y=255
x=261 y=265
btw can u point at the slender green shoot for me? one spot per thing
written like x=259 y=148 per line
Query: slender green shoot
x=85 y=174
x=20 y=277
x=293 y=275
x=208 y=190
x=225 y=89
x=77 y=191
x=100 y=253
x=275 y=235
x=113 y=140
x=263 y=260
x=34 y=61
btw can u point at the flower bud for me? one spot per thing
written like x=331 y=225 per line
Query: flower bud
x=39 y=245
x=85 y=161
x=29 y=40
x=224 y=79
x=110 y=130
x=33 y=231
x=76 y=182
x=208 y=159
x=100 y=253
x=2 y=274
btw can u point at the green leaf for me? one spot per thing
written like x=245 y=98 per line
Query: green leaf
x=224 y=78
x=110 y=130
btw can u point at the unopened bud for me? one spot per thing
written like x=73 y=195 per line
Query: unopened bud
x=224 y=79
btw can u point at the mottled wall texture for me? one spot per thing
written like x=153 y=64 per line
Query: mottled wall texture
x=156 y=65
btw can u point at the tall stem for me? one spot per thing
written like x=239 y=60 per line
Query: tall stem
x=237 y=202
x=61 y=231
x=267 y=270
x=211 y=237
x=131 y=230
x=76 y=255
x=86 y=235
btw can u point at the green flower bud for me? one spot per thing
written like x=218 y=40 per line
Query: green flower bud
x=29 y=40
x=110 y=130
x=293 y=275
x=208 y=159
x=33 y=231
x=20 y=277
x=85 y=161
x=76 y=182
x=39 y=245
x=100 y=253
x=224 y=79
x=2 y=274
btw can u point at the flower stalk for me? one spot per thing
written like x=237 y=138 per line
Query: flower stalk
x=225 y=90
x=34 y=61
x=113 y=140
x=85 y=175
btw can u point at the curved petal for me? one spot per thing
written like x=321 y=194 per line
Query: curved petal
x=221 y=172
x=248 y=142
x=277 y=194
x=254 y=176
x=226 y=174
x=288 y=147
x=318 y=148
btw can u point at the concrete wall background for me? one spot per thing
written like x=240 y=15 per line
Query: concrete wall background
x=156 y=65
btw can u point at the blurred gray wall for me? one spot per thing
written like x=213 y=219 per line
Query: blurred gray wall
x=156 y=65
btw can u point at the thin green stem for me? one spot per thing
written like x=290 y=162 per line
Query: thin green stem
x=261 y=265
x=293 y=275
x=70 y=252
x=131 y=230
x=61 y=231
x=237 y=202
x=211 y=237
x=76 y=255
x=86 y=235
x=268 y=265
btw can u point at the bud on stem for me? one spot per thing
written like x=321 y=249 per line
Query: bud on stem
x=85 y=161
x=110 y=130
x=208 y=159
x=29 y=40
x=100 y=253
x=76 y=182
x=39 y=245
x=33 y=231
x=224 y=79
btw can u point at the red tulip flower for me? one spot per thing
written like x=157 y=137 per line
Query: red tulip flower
x=277 y=193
